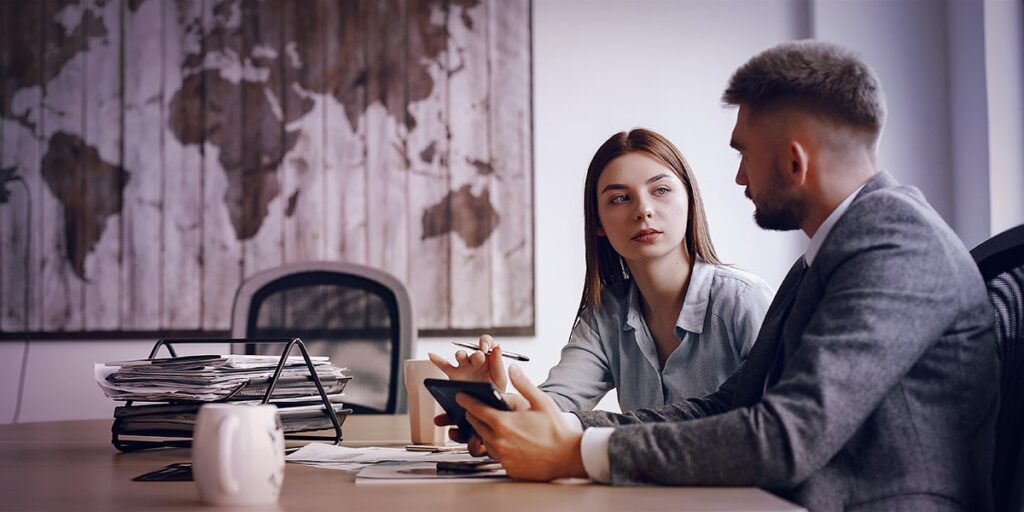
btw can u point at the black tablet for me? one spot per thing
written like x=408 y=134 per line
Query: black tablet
x=444 y=392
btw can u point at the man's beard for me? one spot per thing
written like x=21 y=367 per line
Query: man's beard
x=778 y=208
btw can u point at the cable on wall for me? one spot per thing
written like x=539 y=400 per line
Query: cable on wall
x=8 y=175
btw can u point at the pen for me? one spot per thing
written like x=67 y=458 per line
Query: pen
x=510 y=355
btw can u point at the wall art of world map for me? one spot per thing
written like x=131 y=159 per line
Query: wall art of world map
x=172 y=148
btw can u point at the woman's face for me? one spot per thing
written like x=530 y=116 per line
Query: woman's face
x=642 y=207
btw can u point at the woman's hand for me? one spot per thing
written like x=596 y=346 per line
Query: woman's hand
x=480 y=366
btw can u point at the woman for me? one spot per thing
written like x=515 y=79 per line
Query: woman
x=661 y=319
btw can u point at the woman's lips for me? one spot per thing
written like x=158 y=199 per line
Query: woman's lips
x=646 y=236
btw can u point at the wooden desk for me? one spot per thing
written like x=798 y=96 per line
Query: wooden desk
x=72 y=466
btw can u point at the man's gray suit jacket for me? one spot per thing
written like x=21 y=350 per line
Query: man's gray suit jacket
x=881 y=381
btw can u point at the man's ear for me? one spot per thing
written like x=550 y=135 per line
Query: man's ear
x=799 y=162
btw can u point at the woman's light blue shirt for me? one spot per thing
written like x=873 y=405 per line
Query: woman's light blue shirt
x=612 y=347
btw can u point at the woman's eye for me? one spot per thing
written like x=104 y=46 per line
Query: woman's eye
x=660 y=191
x=620 y=198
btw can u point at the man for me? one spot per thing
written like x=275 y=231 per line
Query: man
x=872 y=384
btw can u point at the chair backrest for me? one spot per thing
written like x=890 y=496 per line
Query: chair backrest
x=1001 y=261
x=359 y=316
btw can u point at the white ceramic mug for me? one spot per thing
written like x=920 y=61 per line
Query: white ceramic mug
x=422 y=406
x=238 y=454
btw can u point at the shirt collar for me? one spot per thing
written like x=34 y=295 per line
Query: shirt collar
x=819 y=236
x=698 y=296
x=695 y=304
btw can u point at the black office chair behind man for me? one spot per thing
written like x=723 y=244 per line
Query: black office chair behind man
x=359 y=316
x=1001 y=261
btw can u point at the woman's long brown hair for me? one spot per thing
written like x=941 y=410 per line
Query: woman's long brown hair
x=604 y=266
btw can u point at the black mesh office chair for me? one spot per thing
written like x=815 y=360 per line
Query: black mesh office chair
x=1001 y=261
x=359 y=316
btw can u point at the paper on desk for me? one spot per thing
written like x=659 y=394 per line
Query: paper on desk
x=421 y=472
x=329 y=453
x=329 y=456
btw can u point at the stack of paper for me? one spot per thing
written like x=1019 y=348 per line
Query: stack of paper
x=214 y=377
x=182 y=384
x=297 y=415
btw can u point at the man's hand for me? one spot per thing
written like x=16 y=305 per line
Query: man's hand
x=474 y=443
x=478 y=366
x=532 y=444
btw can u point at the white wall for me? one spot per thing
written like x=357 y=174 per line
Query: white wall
x=905 y=41
x=1004 y=62
x=605 y=66
x=969 y=120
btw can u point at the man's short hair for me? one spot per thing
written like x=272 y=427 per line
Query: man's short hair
x=828 y=79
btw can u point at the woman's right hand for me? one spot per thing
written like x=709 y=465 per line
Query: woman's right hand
x=479 y=366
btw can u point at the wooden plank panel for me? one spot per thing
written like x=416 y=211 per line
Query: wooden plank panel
x=344 y=145
x=8 y=234
x=336 y=133
x=345 y=129
x=264 y=134
x=181 y=166
x=62 y=207
x=222 y=179
x=20 y=59
x=511 y=183
x=141 y=274
x=427 y=154
x=387 y=177
x=302 y=172
x=27 y=140
x=471 y=219
x=264 y=140
x=103 y=183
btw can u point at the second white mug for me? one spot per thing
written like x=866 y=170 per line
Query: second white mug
x=422 y=406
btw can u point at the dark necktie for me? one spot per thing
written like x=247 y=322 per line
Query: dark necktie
x=787 y=291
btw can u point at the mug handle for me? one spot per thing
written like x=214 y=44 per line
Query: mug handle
x=225 y=431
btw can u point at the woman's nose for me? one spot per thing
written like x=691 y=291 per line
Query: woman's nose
x=644 y=212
